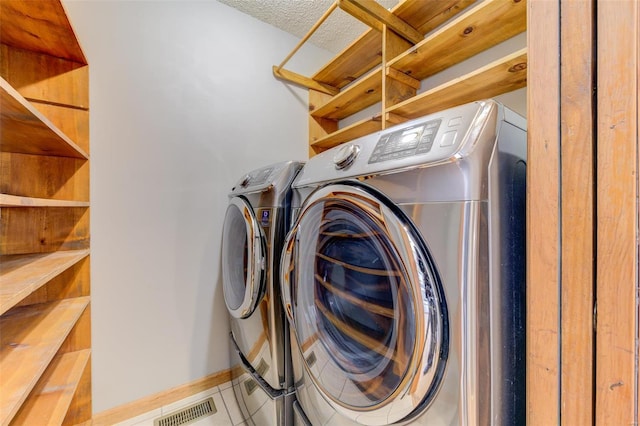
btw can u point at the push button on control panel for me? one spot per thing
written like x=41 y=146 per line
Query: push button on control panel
x=448 y=138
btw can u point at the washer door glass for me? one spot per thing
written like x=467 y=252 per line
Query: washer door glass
x=366 y=305
x=243 y=259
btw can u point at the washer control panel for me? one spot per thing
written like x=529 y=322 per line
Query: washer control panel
x=406 y=142
x=257 y=177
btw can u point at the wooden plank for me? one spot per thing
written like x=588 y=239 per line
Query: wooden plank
x=72 y=282
x=501 y=76
x=46 y=24
x=73 y=122
x=41 y=176
x=355 y=130
x=395 y=89
x=426 y=16
x=43 y=229
x=357 y=97
x=365 y=53
x=303 y=81
x=51 y=398
x=31 y=336
x=617 y=213
x=7 y=200
x=543 y=203
x=365 y=9
x=484 y=26
x=20 y=275
x=26 y=130
x=151 y=402
x=319 y=127
x=577 y=212
x=46 y=79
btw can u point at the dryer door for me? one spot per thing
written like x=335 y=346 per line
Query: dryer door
x=243 y=259
x=366 y=304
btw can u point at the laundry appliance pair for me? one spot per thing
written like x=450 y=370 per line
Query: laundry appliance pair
x=402 y=275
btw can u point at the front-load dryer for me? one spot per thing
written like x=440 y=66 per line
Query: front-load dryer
x=255 y=224
x=403 y=274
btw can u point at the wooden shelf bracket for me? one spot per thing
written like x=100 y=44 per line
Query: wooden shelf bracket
x=376 y=16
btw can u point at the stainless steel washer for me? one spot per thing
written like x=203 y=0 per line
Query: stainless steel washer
x=255 y=224
x=403 y=275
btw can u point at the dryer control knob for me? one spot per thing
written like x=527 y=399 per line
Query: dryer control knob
x=345 y=156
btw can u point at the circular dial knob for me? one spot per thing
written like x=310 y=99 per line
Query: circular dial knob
x=345 y=156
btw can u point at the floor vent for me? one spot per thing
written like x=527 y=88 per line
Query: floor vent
x=187 y=415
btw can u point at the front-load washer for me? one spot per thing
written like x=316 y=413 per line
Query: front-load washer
x=403 y=274
x=255 y=224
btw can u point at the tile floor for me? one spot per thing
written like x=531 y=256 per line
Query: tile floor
x=227 y=414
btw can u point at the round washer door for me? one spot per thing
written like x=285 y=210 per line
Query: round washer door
x=366 y=304
x=243 y=259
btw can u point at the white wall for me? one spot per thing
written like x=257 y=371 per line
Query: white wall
x=182 y=103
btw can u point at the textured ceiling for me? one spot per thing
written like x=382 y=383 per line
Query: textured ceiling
x=298 y=16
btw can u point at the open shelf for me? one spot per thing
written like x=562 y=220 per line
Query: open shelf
x=31 y=336
x=25 y=130
x=7 y=200
x=504 y=75
x=47 y=26
x=366 y=52
x=487 y=24
x=361 y=128
x=23 y=274
x=50 y=399
x=364 y=93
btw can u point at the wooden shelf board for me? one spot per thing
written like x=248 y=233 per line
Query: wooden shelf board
x=364 y=93
x=501 y=76
x=361 y=128
x=489 y=23
x=25 y=130
x=7 y=200
x=20 y=275
x=365 y=53
x=50 y=399
x=42 y=28
x=31 y=336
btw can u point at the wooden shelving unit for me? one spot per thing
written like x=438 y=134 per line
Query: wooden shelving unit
x=45 y=316
x=383 y=67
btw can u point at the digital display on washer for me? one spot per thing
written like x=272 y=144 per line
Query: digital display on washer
x=406 y=142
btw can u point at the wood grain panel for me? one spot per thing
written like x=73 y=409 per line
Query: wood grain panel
x=478 y=29
x=501 y=76
x=394 y=90
x=73 y=282
x=319 y=127
x=72 y=122
x=80 y=409
x=49 y=31
x=40 y=176
x=577 y=211
x=22 y=275
x=354 y=98
x=26 y=130
x=43 y=229
x=47 y=79
x=617 y=213
x=365 y=53
x=543 y=268
x=355 y=130
x=52 y=396
x=30 y=338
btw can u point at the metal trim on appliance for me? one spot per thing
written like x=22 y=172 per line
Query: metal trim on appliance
x=416 y=270
x=255 y=247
